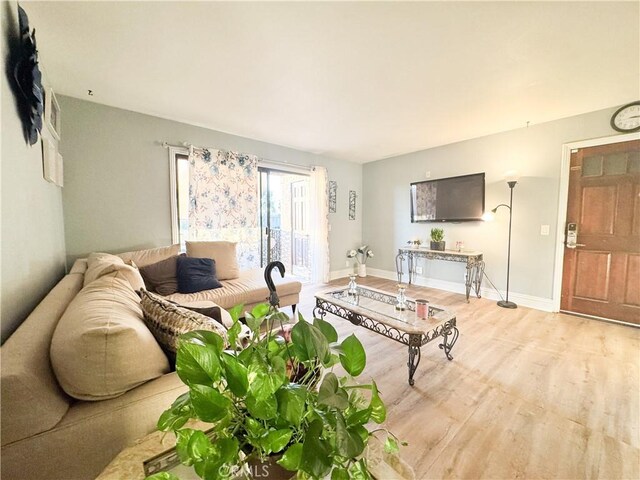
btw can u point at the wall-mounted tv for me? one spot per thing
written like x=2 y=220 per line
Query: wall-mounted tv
x=453 y=199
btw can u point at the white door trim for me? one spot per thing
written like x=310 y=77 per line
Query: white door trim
x=563 y=199
x=173 y=191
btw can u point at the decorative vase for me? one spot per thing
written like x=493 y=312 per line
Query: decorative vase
x=438 y=246
x=362 y=270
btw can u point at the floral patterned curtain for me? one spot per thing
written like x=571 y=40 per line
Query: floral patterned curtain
x=224 y=201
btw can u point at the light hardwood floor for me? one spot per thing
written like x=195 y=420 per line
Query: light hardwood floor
x=529 y=394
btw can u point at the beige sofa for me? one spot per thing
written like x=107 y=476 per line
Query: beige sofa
x=47 y=434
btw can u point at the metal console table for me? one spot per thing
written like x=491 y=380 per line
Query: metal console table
x=473 y=260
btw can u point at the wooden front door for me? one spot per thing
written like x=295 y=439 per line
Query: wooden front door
x=601 y=274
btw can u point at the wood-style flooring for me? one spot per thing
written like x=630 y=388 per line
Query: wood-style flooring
x=529 y=394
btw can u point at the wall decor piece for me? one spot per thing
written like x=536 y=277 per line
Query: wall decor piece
x=333 y=194
x=59 y=171
x=352 y=204
x=52 y=114
x=28 y=77
x=50 y=171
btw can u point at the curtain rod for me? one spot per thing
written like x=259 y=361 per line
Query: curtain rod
x=190 y=146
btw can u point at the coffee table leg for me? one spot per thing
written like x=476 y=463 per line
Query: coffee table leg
x=448 y=343
x=414 y=355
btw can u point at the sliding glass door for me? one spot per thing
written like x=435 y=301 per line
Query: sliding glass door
x=284 y=220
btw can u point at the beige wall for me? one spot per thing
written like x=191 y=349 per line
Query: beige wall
x=116 y=195
x=33 y=249
x=536 y=152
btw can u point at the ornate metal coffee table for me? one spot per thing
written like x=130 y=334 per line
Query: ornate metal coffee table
x=374 y=309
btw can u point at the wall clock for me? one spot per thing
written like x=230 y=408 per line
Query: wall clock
x=627 y=118
x=29 y=80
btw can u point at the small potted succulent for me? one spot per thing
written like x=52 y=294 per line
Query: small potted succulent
x=275 y=403
x=437 y=239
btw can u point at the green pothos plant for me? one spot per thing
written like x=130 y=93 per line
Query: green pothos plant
x=276 y=396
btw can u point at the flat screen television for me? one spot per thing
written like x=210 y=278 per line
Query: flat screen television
x=453 y=199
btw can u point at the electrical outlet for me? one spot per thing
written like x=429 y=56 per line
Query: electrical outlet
x=418 y=270
x=427 y=174
x=544 y=229
x=347 y=263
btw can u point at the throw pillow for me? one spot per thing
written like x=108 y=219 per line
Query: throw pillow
x=151 y=255
x=224 y=253
x=196 y=274
x=101 y=264
x=167 y=321
x=161 y=277
x=101 y=347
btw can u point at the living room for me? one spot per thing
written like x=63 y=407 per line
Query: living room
x=380 y=95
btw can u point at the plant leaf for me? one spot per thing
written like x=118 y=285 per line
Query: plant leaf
x=348 y=443
x=291 y=458
x=236 y=312
x=197 y=364
x=263 y=381
x=352 y=355
x=260 y=310
x=391 y=445
x=232 y=334
x=339 y=473
x=162 y=476
x=169 y=420
x=291 y=403
x=378 y=410
x=316 y=457
x=327 y=329
x=202 y=337
x=359 y=417
x=309 y=342
x=236 y=375
x=276 y=440
x=332 y=394
x=359 y=471
x=265 y=409
x=209 y=404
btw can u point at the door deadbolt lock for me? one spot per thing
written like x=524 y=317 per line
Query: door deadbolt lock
x=572 y=236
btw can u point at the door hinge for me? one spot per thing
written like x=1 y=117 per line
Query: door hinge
x=576 y=168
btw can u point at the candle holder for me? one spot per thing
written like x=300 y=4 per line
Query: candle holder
x=353 y=286
x=402 y=299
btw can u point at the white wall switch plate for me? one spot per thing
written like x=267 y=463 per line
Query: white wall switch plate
x=544 y=229
x=347 y=263
x=419 y=270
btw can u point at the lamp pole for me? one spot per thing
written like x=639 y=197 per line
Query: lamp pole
x=506 y=303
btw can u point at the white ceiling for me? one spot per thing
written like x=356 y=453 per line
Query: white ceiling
x=355 y=81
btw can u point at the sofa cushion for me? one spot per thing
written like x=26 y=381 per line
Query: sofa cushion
x=101 y=347
x=224 y=253
x=196 y=274
x=101 y=264
x=249 y=289
x=161 y=277
x=167 y=321
x=142 y=258
x=210 y=309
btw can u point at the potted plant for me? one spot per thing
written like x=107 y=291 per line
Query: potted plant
x=437 y=239
x=274 y=401
x=361 y=255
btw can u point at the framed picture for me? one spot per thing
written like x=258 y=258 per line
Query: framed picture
x=52 y=115
x=333 y=192
x=49 y=168
x=352 y=204
x=59 y=170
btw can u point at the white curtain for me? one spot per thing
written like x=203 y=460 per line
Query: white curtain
x=320 y=225
x=224 y=201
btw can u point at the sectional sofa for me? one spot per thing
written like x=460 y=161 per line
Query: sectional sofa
x=46 y=433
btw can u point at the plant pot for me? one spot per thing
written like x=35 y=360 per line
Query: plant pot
x=438 y=246
x=362 y=270
x=268 y=469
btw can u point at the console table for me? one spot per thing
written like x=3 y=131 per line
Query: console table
x=473 y=260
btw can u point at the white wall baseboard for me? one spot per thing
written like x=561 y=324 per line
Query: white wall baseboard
x=539 y=303
x=344 y=273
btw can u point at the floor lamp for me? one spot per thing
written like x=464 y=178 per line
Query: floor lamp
x=512 y=183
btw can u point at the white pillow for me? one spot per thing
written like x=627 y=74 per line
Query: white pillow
x=224 y=254
x=101 y=347
x=142 y=258
x=101 y=264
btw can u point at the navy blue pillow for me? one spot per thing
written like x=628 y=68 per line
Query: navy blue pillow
x=196 y=274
